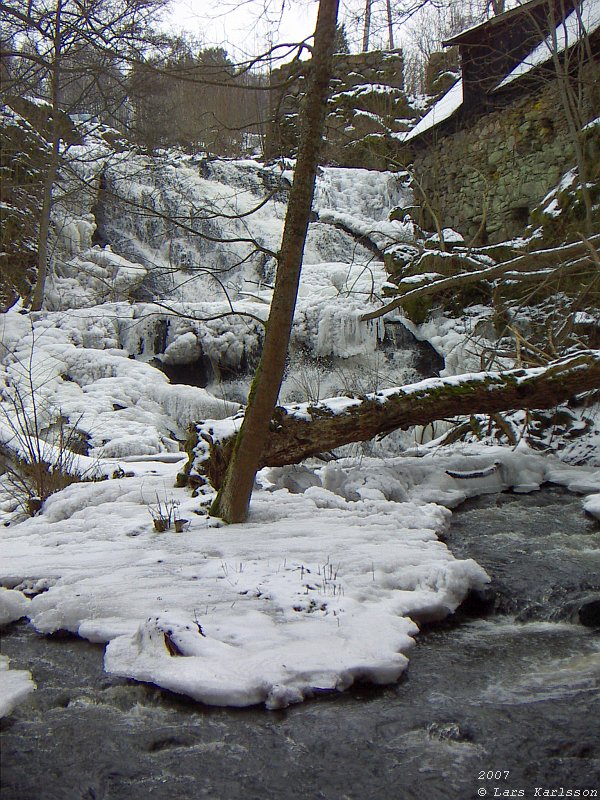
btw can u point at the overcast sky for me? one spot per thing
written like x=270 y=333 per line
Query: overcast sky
x=246 y=26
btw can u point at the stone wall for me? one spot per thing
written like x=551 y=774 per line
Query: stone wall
x=367 y=103
x=485 y=179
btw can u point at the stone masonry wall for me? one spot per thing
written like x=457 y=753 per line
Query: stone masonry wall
x=485 y=179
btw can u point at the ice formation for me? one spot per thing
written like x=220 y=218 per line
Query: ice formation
x=322 y=586
x=337 y=564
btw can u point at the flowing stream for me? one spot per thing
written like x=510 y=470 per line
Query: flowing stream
x=491 y=704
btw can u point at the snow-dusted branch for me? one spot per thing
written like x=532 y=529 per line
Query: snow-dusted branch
x=539 y=264
x=300 y=431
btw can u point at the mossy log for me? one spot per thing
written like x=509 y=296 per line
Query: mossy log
x=301 y=431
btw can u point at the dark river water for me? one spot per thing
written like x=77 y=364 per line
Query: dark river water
x=505 y=702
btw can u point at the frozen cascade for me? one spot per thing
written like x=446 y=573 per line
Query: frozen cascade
x=191 y=251
x=360 y=201
x=366 y=194
x=190 y=242
x=346 y=335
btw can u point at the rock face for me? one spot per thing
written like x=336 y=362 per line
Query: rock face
x=367 y=104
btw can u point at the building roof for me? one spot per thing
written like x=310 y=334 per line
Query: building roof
x=439 y=111
x=586 y=19
x=471 y=34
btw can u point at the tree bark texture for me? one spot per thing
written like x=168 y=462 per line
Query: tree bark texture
x=299 y=432
x=43 y=251
x=233 y=499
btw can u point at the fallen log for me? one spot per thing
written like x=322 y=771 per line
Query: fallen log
x=303 y=430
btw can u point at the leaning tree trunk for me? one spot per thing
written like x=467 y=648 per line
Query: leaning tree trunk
x=298 y=432
x=233 y=499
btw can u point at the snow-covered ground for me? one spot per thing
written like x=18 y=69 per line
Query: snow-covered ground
x=322 y=586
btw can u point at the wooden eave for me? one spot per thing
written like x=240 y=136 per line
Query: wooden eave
x=472 y=35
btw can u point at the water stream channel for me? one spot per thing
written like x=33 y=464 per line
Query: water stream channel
x=502 y=701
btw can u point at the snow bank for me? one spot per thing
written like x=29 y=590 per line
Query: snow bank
x=592 y=505
x=82 y=374
x=13 y=605
x=321 y=587
x=313 y=593
x=97 y=367
x=15 y=686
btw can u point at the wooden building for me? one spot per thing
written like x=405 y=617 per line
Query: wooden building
x=509 y=54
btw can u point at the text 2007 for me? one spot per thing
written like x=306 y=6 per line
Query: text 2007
x=491 y=775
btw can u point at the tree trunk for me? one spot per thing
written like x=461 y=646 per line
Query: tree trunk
x=367 y=27
x=233 y=499
x=43 y=254
x=390 y=24
x=299 y=432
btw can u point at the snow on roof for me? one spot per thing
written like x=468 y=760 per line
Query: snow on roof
x=443 y=109
x=586 y=17
x=467 y=33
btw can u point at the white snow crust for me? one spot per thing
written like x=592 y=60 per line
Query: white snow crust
x=592 y=505
x=80 y=370
x=15 y=686
x=13 y=605
x=320 y=587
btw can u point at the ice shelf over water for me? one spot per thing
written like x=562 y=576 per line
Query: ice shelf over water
x=322 y=586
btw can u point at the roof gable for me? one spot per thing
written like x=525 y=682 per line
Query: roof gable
x=473 y=33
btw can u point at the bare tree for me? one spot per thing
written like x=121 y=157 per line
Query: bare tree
x=233 y=500
x=45 y=42
x=367 y=25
